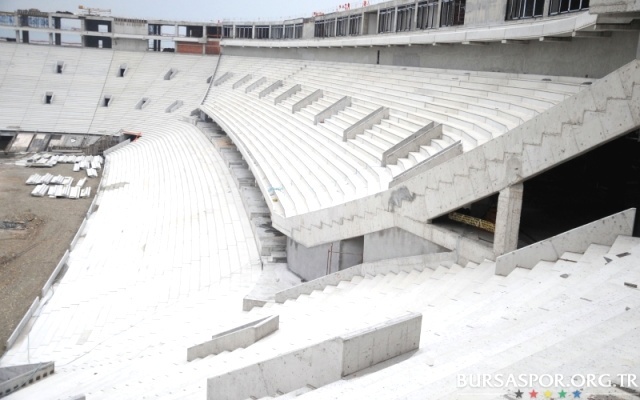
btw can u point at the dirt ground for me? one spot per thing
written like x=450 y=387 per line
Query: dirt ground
x=34 y=234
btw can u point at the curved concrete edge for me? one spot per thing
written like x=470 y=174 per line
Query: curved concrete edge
x=603 y=231
x=23 y=323
x=405 y=264
x=54 y=274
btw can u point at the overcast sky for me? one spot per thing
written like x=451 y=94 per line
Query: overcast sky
x=189 y=10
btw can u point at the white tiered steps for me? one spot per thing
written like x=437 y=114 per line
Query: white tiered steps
x=546 y=320
x=473 y=108
x=88 y=76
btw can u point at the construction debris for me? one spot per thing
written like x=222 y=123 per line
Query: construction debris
x=60 y=186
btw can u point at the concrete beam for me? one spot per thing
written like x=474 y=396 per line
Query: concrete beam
x=510 y=41
x=553 y=39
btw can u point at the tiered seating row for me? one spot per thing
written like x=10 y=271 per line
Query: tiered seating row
x=90 y=75
x=473 y=108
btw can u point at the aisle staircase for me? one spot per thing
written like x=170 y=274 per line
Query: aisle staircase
x=552 y=319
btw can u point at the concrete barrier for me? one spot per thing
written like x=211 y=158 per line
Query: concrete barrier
x=375 y=344
x=22 y=324
x=603 y=231
x=236 y=338
x=322 y=363
x=78 y=234
x=54 y=274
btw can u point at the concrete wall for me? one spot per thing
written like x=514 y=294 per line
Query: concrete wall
x=395 y=243
x=315 y=365
x=483 y=12
x=308 y=30
x=130 y=26
x=593 y=58
x=311 y=262
x=322 y=363
x=130 y=45
x=372 y=345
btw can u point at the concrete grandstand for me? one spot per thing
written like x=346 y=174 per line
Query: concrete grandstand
x=430 y=199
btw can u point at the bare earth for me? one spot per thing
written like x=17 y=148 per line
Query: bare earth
x=28 y=256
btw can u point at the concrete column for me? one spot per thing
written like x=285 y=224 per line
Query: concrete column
x=377 y=29
x=50 y=39
x=415 y=17
x=508 y=220
x=362 y=23
x=439 y=14
x=253 y=31
x=335 y=27
x=18 y=38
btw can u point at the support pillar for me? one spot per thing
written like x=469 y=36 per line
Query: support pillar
x=508 y=220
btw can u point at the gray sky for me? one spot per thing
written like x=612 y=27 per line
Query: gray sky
x=190 y=10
